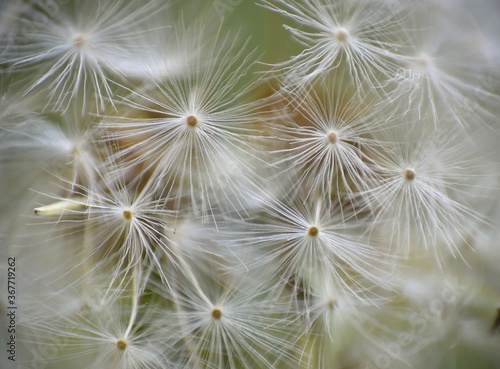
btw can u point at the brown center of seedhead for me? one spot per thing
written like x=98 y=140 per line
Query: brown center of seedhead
x=191 y=121
x=409 y=174
x=332 y=304
x=313 y=231
x=342 y=34
x=121 y=344
x=127 y=214
x=332 y=137
x=216 y=313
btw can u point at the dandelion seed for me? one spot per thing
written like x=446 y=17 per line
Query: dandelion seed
x=110 y=332
x=128 y=229
x=329 y=144
x=121 y=227
x=332 y=321
x=423 y=192
x=441 y=77
x=227 y=323
x=59 y=207
x=36 y=149
x=301 y=239
x=199 y=144
x=72 y=51
x=358 y=37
